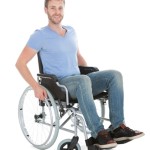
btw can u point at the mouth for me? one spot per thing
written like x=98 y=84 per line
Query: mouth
x=57 y=16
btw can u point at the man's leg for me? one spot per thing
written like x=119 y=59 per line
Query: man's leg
x=79 y=86
x=111 y=81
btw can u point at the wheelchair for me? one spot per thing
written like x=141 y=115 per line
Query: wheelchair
x=41 y=121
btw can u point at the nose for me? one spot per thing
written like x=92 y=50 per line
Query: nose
x=57 y=12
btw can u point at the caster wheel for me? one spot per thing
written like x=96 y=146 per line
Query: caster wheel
x=64 y=145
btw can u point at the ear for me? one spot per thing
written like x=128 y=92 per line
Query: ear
x=45 y=9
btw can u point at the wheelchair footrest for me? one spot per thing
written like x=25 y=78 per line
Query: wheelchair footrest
x=73 y=143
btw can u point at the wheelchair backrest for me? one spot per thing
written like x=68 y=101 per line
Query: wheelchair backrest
x=40 y=63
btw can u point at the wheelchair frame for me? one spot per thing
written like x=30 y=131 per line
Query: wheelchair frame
x=47 y=114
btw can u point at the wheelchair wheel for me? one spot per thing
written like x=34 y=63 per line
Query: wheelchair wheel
x=64 y=145
x=39 y=120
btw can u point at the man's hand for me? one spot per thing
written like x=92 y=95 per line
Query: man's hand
x=40 y=93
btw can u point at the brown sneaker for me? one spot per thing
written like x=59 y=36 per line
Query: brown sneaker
x=123 y=133
x=104 y=140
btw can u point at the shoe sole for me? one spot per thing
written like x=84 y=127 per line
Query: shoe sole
x=129 y=138
x=112 y=145
x=123 y=142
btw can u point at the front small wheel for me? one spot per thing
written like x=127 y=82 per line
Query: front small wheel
x=64 y=145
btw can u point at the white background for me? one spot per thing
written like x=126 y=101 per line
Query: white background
x=112 y=34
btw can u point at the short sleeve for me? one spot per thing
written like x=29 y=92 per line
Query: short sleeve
x=35 y=40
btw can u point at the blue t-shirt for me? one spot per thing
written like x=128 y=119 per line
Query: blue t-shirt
x=58 y=53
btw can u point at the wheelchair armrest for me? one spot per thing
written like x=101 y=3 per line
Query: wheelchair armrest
x=50 y=76
x=86 y=69
x=49 y=82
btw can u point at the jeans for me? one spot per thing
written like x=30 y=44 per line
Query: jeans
x=83 y=87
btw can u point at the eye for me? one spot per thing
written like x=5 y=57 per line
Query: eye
x=60 y=8
x=52 y=8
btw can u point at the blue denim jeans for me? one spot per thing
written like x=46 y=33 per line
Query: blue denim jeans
x=83 y=87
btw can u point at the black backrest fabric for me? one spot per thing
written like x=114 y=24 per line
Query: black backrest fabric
x=40 y=63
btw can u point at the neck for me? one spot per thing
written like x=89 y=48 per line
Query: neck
x=57 y=28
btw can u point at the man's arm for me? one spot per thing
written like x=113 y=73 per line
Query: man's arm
x=26 y=55
x=81 y=60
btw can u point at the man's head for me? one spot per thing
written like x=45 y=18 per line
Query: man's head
x=55 y=10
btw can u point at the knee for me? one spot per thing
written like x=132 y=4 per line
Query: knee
x=84 y=79
x=117 y=75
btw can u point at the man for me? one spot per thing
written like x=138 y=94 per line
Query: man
x=60 y=55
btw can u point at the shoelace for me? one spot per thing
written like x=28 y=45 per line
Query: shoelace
x=130 y=129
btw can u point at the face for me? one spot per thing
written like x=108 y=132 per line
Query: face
x=55 y=11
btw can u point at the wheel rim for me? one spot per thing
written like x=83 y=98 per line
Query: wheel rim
x=39 y=128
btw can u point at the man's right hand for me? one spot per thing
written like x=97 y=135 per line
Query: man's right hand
x=40 y=93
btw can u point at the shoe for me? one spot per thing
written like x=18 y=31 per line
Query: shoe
x=104 y=140
x=123 y=133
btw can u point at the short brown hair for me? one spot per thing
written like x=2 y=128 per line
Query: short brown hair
x=46 y=2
